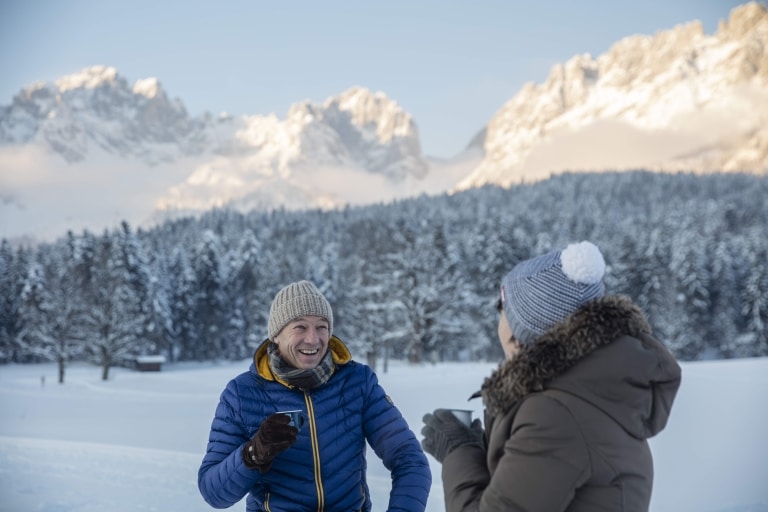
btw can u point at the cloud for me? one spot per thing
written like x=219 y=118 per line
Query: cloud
x=43 y=196
x=24 y=166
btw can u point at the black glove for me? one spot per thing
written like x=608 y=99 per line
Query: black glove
x=443 y=433
x=274 y=435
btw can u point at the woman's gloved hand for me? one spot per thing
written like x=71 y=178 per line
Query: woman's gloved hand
x=443 y=433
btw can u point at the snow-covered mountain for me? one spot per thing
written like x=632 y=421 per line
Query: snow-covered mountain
x=91 y=149
x=252 y=160
x=358 y=136
x=97 y=108
x=680 y=100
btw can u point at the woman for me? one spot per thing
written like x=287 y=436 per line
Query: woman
x=569 y=412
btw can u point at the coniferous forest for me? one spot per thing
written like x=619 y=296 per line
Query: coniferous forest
x=414 y=279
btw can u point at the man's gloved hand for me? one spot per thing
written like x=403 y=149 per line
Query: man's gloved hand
x=274 y=435
x=443 y=433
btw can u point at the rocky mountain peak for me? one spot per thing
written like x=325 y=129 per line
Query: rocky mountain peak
x=356 y=128
x=747 y=32
x=353 y=134
x=745 y=21
x=679 y=100
x=97 y=108
x=368 y=109
x=92 y=78
x=149 y=88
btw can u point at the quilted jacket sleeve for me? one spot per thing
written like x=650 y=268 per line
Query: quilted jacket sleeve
x=223 y=478
x=394 y=442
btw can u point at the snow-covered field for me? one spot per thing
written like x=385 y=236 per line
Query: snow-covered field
x=134 y=443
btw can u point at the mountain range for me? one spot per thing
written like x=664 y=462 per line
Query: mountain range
x=679 y=100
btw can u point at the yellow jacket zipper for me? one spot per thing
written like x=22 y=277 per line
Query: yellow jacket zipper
x=315 y=452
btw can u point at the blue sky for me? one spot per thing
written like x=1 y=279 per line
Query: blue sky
x=450 y=64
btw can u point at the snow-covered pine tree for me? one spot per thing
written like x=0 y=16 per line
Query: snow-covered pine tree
x=58 y=332
x=754 y=298
x=115 y=317
x=181 y=281
x=13 y=272
x=210 y=307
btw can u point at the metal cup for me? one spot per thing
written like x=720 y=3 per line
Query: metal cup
x=295 y=416
x=463 y=415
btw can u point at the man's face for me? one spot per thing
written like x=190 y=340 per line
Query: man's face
x=304 y=341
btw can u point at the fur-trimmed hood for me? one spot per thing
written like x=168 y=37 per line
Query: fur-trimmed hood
x=603 y=353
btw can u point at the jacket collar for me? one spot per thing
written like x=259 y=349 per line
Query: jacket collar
x=339 y=352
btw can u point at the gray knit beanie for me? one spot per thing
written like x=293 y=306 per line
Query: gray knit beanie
x=294 y=301
x=542 y=291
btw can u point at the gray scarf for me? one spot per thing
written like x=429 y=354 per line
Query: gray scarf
x=302 y=379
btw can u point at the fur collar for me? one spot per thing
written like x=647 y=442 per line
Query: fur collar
x=592 y=326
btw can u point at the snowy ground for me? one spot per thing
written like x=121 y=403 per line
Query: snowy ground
x=134 y=443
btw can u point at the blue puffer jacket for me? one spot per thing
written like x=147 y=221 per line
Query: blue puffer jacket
x=325 y=470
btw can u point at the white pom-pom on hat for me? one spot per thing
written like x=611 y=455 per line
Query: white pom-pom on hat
x=583 y=263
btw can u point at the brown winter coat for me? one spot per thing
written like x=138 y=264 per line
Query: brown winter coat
x=568 y=418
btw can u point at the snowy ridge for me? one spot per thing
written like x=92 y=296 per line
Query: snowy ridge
x=680 y=100
x=234 y=160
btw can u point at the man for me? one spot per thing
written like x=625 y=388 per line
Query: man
x=318 y=464
x=569 y=411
